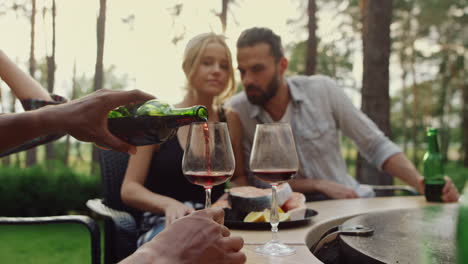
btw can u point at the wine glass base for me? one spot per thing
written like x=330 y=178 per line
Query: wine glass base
x=275 y=248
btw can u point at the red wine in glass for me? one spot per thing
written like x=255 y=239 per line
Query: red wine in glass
x=273 y=159
x=274 y=176
x=208 y=157
x=209 y=179
x=206 y=134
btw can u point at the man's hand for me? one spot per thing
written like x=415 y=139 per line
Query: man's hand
x=199 y=237
x=449 y=192
x=86 y=118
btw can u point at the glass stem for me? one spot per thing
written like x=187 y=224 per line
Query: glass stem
x=274 y=217
x=207 y=197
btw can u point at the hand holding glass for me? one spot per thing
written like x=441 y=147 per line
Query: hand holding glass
x=208 y=157
x=274 y=160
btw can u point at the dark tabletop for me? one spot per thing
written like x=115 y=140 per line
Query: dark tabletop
x=425 y=235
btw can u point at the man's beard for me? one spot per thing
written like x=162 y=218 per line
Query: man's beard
x=264 y=97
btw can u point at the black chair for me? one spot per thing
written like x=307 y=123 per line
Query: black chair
x=121 y=223
x=89 y=223
x=393 y=190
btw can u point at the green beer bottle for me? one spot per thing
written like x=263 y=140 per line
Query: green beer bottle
x=462 y=228
x=433 y=169
x=152 y=122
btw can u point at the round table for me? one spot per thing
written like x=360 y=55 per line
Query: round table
x=419 y=235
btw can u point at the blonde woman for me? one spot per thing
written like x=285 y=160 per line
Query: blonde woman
x=154 y=181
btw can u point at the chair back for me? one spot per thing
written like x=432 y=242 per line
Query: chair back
x=121 y=232
x=113 y=168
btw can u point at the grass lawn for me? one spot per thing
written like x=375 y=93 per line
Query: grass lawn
x=57 y=243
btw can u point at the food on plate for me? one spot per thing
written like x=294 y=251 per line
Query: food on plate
x=264 y=216
x=255 y=217
x=249 y=199
x=296 y=200
x=255 y=203
x=297 y=213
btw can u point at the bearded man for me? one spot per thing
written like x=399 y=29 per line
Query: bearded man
x=317 y=109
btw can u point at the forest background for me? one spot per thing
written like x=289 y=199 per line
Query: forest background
x=403 y=62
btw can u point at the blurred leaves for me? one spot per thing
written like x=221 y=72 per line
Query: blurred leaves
x=38 y=191
x=429 y=47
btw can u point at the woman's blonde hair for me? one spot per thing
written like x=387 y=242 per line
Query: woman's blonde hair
x=192 y=57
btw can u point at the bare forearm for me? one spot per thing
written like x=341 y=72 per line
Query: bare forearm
x=305 y=185
x=137 y=196
x=330 y=189
x=145 y=255
x=21 y=83
x=21 y=127
x=399 y=166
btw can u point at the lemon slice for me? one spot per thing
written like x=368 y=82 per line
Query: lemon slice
x=282 y=216
x=255 y=217
x=266 y=213
x=264 y=216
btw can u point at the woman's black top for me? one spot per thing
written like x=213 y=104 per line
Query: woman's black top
x=166 y=178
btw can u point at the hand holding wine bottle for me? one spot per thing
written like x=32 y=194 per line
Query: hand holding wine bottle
x=86 y=118
x=153 y=122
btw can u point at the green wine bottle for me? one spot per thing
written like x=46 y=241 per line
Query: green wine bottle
x=433 y=168
x=152 y=122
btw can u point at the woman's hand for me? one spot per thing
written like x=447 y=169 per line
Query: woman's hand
x=175 y=210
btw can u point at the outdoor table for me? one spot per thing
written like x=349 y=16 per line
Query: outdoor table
x=421 y=235
x=330 y=214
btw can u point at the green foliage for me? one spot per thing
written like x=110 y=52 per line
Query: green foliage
x=83 y=83
x=457 y=173
x=48 y=189
x=41 y=244
x=330 y=61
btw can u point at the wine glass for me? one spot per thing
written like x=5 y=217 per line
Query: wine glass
x=208 y=158
x=274 y=160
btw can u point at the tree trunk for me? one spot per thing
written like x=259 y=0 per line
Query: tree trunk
x=5 y=160
x=415 y=111
x=67 y=140
x=51 y=59
x=31 y=154
x=311 y=57
x=99 y=72
x=404 y=95
x=223 y=14
x=50 y=153
x=375 y=86
x=100 y=33
x=79 y=154
x=464 y=114
x=14 y=158
x=32 y=60
x=448 y=74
